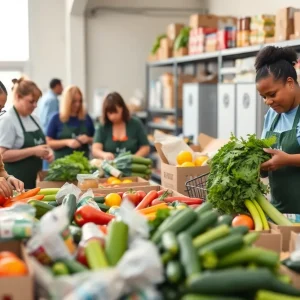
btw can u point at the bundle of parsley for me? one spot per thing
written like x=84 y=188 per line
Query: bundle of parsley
x=234 y=184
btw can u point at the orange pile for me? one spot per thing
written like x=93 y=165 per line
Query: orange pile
x=11 y=265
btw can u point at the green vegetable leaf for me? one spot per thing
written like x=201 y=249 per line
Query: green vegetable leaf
x=161 y=215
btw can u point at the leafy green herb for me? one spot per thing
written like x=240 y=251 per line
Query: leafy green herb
x=235 y=173
x=161 y=215
x=67 y=168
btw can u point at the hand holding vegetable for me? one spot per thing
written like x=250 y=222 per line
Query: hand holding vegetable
x=41 y=151
x=17 y=184
x=108 y=156
x=49 y=157
x=5 y=188
x=279 y=159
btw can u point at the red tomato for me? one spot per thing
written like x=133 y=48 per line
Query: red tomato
x=132 y=196
x=2 y=199
x=141 y=194
x=243 y=220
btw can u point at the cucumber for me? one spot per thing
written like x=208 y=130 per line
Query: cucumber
x=267 y=295
x=76 y=233
x=174 y=271
x=207 y=219
x=60 y=268
x=49 y=198
x=99 y=199
x=95 y=255
x=177 y=224
x=40 y=207
x=103 y=207
x=204 y=207
x=169 y=242
x=53 y=203
x=239 y=229
x=117 y=242
x=69 y=202
x=225 y=219
x=49 y=191
x=208 y=297
x=250 y=238
x=188 y=255
x=166 y=222
x=259 y=256
x=211 y=236
x=166 y=257
x=72 y=265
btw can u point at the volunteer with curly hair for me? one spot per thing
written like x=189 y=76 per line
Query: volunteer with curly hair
x=276 y=81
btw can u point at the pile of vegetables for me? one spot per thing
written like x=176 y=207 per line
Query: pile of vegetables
x=68 y=167
x=205 y=258
x=234 y=184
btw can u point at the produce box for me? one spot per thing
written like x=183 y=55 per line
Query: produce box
x=286 y=234
x=21 y=287
x=293 y=275
x=297 y=25
x=295 y=239
x=173 y=177
x=212 y=21
x=173 y=30
x=48 y=184
x=270 y=239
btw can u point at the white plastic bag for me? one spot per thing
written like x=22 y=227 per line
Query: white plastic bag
x=67 y=188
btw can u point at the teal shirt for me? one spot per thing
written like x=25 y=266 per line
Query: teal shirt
x=135 y=137
x=285 y=122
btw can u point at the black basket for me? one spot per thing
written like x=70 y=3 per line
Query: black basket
x=196 y=187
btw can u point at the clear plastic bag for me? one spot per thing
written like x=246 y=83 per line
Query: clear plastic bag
x=67 y=188
x=87 y=181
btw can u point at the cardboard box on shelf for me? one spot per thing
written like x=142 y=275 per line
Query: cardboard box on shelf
x=174 y=177
x=181 y=52
x=212 y=21
x=270 y=40
x=173 y=30
x=18 y=287
x=286 y=234
x=152 y=57
x=297 y=24
x=284 y=23
x=49 y=184
x=270 y=239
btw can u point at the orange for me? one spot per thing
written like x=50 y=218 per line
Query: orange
x=4 y=254
x=116 y=181
x=243 y=220
x=188 y=164
x=184 y=156
x=200 y=160
x=113 y=199
x=110 y=179
x=11 y=266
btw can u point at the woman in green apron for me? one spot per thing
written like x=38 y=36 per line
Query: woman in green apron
x=118 y=131
x=276 y=81
x=22 y=142
x=71 y=129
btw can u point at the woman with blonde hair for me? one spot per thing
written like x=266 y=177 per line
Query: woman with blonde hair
x=22 y=142
x=71 y=129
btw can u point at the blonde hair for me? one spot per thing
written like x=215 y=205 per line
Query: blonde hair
x=24 y=87
x=66 y=103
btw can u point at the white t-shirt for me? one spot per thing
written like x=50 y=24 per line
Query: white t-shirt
x=11 y=132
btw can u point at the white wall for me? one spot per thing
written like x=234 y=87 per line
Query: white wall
x=47 y=41
x=248 y=7
x=118 y=44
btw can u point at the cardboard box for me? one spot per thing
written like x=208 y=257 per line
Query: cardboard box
x=173 y=30
x=164 y=53
x=173 y=177
x=297 y=24
x=21 y=287
x=286 y=234
x=49 y=184
x=181 y=52
x=294 y=241
x=153 y=57
x=295 y=277
x=212 y=21
x=285 y=23
x=270 y=239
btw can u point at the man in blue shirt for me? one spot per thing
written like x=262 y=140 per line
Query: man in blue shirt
x=49 y=104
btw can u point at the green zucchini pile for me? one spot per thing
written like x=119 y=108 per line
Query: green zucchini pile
x=205 y=258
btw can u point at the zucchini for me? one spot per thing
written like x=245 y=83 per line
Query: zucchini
x=188 y=255
x=72 y=265
x=59 y=269
x=210 y=253
x=211 y=235
x=225 y=219
x=267 y=295
x=207 y=219
x=99 y=199
x=208 y=297
x=169 y=242
x=95 y=255
x=117 y=242
x=53 y=203
x=204 y=207
x=69 y=202
x=76 y=233
x=259 y=256
x=239 y=230
x=49 y=198
x=177 y=224
x=174 y=271
x=41 y=207
x=103 y=207
x=166 y=257
x=293 y=265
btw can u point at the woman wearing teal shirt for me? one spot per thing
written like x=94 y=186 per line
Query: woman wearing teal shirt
x=118 y=131
x=276 y=81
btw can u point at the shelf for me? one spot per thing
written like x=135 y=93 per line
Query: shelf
x=165 y=62
x=162 y=111
x=141 y=114
x=161 y=126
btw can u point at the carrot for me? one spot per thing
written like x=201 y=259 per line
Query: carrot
x=160 y=193
x=153 y=209
x=186 y=200
x=30 y=193
x=103 y=229
x=156 y=201
x=11 y=202
x=147 y=200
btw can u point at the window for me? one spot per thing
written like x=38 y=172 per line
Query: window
x=14 y=44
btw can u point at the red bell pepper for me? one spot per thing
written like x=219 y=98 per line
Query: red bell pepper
x=87 y=213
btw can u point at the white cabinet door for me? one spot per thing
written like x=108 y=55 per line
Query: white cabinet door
x=226 y=110
x=246 y=109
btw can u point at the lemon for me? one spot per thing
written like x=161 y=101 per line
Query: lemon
x=111 y=179
x=200 y=160
x=188 y=164
x=116 y=181
x=184 y=156
x=127 y=181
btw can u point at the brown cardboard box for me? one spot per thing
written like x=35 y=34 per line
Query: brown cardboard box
x=284 y=23
x=49 y=184
x=181 y=52
x=295 y=277
x=212 y=21
x=286 y=234
x=293 y=241
x=164 y=53
x=153 y=57
x=270 y=239
x=174 y=177
x=270 y=40
x=21 y=287
x=173 y=30
x=297 y=24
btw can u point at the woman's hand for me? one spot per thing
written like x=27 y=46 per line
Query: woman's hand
x=279 y=159
x=17 y=184
x=5 y=188
x=41 y=151
x=108 y=156
x=73 y=144
x=84 y=139
x=49 y=157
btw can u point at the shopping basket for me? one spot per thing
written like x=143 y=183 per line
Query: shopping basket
x=196 y=187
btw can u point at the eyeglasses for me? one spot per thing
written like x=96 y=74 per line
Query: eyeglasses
x=2 y=111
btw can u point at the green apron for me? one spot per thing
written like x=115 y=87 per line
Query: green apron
x=27 y=169
x=284 y=182
x=69 y=132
